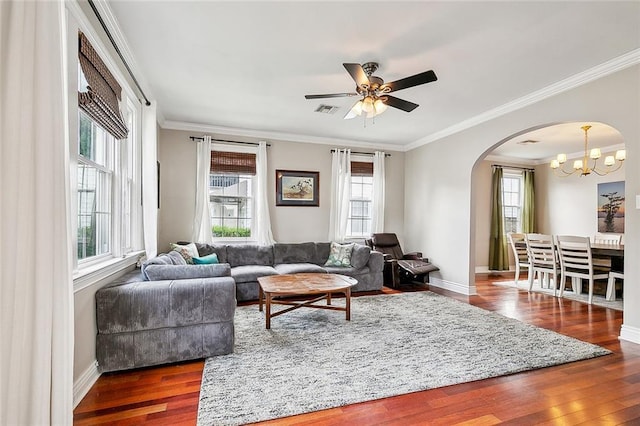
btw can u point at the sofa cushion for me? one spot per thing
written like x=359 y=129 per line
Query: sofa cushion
x=250 y=273
x=209 y=259
x=360 y=256
x=322 y=253
x=249 y=254
x=219 y=249
x=340 y=254
x=294 y=253
x=188 y=251
x=346 y=270
x=171 y=258
x=297 y=268
x=181 y=272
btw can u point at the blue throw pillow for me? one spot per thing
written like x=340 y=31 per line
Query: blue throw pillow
x=206 y=260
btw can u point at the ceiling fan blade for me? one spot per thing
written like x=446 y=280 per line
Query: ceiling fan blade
x=352 y=113
x=414 y=80
x=358 y=74
x=330 y=95
x=399 y=103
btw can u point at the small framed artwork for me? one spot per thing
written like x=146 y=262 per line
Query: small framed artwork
x=611 y=207
x=296 y=188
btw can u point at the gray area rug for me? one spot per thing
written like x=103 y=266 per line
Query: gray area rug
x=394 y=344
x=583 y=298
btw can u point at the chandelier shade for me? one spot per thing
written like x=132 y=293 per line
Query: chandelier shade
x=583 y=167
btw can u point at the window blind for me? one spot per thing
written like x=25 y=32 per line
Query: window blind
x=361 y=168
x=233 y=162
x=101 y=100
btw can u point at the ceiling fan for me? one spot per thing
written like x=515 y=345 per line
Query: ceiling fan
x=374 y=92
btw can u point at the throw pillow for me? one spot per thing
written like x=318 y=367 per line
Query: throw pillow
x=339 y=255
x=206 y=260
x=188 y=252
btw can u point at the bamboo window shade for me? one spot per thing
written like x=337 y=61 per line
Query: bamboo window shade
x=101 y=100
x=233 y=162
x=361 y=168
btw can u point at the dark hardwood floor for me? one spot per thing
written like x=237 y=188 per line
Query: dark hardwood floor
x=604 y=390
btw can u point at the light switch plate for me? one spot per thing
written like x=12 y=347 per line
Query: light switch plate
x=638 y=202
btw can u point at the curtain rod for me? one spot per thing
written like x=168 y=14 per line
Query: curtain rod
x=364 y=153
x=115 y=46
x=200 y=138
x=513 y=167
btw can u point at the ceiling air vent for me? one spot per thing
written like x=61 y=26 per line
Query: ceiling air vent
x=326 y=109
x=527 y=142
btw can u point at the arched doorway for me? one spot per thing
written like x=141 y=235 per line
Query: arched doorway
x=563 y=205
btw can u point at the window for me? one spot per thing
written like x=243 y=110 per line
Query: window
x=95 y=181
x=105 y=157
x=231 y=190
x=512 y=201
x=360 y=209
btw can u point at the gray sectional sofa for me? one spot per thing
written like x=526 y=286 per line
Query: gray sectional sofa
x=248 y=262
x=170 y=311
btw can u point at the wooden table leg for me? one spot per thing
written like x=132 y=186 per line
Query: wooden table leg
x=260 y=297
x=328 y=298
x=267 y=315
x=347 y=293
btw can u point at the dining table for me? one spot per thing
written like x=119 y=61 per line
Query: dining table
x=615 y=252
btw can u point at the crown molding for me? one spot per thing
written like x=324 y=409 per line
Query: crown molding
x=610 y=67
x=542 y=161
x=269 y=135
x=511 y=160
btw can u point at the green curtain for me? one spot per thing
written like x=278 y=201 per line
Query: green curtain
x=528 y=204
x=498 y=254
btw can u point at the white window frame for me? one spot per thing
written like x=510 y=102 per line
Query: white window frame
x=514 y=175
x=252 y=196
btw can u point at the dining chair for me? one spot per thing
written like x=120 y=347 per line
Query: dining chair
x=611 y=284
x=576 y=261
x=607 y=238
x=519 y=248
x=542 y=259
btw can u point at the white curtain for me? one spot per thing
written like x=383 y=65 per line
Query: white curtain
x=202 y=217
x=340 y=193
x=261 y=218
x=36 y=289
x=150 y=180
x=377 y=215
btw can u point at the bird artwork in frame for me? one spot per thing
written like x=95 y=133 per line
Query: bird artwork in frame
x=297 y=188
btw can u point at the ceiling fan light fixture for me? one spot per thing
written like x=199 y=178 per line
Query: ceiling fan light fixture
x=367 y=104
x=379 y=106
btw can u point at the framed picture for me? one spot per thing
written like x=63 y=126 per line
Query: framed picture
x=611 y=207
x=296 y=188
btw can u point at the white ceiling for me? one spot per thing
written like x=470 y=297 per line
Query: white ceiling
x=244 y=67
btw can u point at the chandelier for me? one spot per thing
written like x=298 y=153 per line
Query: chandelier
x=582 y=166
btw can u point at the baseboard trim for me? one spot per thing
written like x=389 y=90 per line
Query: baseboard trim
x=452 y=286
x=630 y=334
x=82 y=386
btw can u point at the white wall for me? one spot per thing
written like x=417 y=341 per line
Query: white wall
x=438 y=180
x=177 y=156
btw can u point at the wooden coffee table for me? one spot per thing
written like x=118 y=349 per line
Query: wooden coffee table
x=303 y=285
